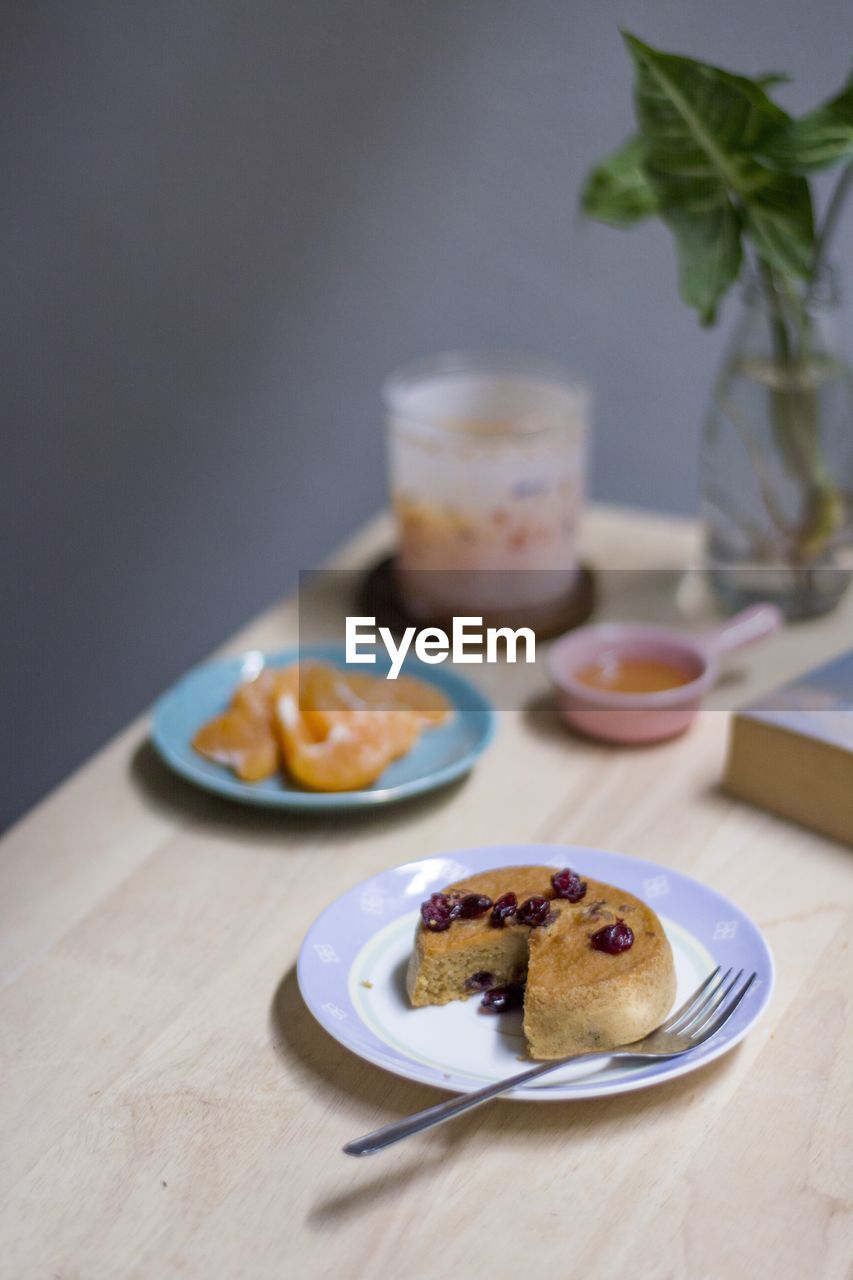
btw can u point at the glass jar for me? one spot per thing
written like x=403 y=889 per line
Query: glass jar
x=486 y=459
x=777 y=457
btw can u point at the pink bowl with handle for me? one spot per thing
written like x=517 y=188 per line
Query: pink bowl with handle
x=647 y=717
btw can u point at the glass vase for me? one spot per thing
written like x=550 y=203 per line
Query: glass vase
x=777 y=456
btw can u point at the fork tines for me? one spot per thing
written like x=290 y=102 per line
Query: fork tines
x=711 y=1005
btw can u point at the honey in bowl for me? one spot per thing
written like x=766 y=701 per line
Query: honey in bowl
x=614 y=673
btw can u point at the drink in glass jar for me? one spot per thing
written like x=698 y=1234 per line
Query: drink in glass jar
x=487 y=474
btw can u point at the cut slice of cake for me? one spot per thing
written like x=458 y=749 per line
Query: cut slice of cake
x=446 y=961
x=596 y=962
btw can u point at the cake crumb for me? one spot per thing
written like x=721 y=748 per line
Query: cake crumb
x=368 y=985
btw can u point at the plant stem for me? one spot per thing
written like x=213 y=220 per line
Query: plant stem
x=778 y=331
x=794 y=409
x=753 y=450
x=784 y=400
x=833 y=212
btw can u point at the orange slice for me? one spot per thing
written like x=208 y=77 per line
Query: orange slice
x=328 y=697
x=352 y=752
x=243 y=742
x=406 y=693
x=255 y=697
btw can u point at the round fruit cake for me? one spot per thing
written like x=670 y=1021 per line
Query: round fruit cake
x=590 y=963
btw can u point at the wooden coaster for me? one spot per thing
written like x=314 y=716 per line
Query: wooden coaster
x=379 y=598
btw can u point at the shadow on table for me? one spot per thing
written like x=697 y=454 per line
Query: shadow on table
x=379 y=1097
x=174 y=795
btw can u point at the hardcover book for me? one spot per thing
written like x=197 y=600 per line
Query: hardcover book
x=793 y=753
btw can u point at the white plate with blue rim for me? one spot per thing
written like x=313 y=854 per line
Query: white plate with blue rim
x=441 y=754
x=352 y=968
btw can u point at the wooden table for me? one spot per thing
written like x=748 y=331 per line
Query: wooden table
x=170 y=1108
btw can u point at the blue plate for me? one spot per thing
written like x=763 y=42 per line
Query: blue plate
x=439 y=756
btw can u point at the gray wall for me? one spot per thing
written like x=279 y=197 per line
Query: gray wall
x=223 y=222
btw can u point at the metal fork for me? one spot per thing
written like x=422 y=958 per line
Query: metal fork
x=700 y=1017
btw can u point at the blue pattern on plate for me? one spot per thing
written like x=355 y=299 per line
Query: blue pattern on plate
x=441 y=754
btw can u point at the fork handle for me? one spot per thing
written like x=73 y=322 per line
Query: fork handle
x=399 y=1129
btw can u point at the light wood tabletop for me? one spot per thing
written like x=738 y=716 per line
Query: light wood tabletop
x=170 y=1108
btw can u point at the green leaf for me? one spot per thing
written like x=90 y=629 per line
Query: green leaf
x=700 y=126
x=822 y=138
x=769 y=79
x=709 y=256
x=617 y=190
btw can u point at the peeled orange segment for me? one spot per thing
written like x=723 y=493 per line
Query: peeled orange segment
x=406 y=693
x=342 y=762
x=243 y=742
x=428 y=702
x=352 y=754
x=323 y=691
x=327 y=698
x=256 y=697
x=402 y=729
